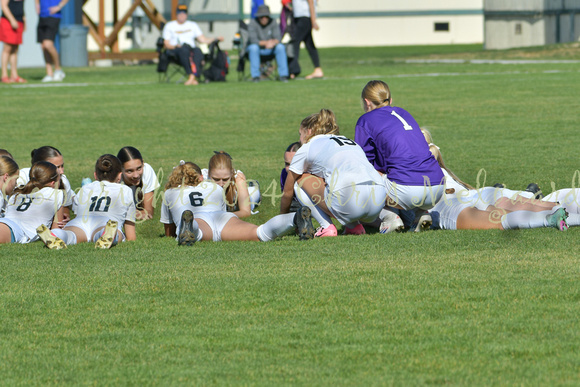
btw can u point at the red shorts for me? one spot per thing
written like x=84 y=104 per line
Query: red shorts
x=8 y=34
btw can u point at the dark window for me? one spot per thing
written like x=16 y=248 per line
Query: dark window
x=518 y=28
x=442 y=26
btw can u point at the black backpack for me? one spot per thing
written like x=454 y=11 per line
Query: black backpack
x=220 y=64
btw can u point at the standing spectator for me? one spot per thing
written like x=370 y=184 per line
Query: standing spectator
x=304 y=21
x=179 y=38
x=48 y=21
x=12 y=25
x=264 y=40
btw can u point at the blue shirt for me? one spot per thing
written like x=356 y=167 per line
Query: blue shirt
x=45 y=5
x=395 y=145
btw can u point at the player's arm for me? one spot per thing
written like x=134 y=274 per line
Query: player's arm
x=148 y=210
x=57 y=218
x=170 y=230
x=243 y=196
x=130 y=233
x=288 y=193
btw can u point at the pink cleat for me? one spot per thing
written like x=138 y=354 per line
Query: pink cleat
x=329 y=231
x=356 y=230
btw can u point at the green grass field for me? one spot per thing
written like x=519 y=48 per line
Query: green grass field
x=442 y=307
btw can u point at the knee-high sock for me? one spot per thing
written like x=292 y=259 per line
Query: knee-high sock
x=275 y=227
x=196 y=230
x=321 y=217
x=525 y=219
x=68 y=237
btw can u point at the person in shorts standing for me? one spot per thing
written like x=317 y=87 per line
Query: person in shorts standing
x=49 y=15
x=12 y=25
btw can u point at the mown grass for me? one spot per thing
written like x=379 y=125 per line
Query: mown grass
x=443 y=307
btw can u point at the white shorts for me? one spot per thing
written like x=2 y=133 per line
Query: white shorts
x=566 y=196
x=412 y=197
x=363 y=202
x=216 y=221
x=17 y=233
x=447 y=210
x=89 y=224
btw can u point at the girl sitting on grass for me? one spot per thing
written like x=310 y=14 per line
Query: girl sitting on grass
x=334 y=178
x=103 y=208
x=194 y=209
x=38 y=203
x=141 y=178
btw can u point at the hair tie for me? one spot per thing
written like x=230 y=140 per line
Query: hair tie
x=181 y=162
x=223 y=153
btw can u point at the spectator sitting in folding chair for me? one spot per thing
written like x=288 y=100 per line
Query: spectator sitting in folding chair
x=179 y=38
x=264 y=40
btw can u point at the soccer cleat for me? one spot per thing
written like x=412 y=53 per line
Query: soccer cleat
x=393 y=225
x=356 y=230
x=303 y=222
x=49 y=239
x=498 y=185
x=187 y=236
x=558 y=219
x=329 y=231
x=109 y=234
x=424 y=223
x=535 y=189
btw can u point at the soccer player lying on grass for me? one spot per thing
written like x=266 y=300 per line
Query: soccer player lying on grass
x=504 y=198
x=141 y=178
x=38 y=203
x=194 y=209
x=331 y=175
x=52 y=155
x=103 y=208
x=8 y=177
x=465 y=208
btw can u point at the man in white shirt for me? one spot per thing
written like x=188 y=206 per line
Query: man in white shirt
x=179 y=38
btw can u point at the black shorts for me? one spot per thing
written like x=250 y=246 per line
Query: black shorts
x=47 y=28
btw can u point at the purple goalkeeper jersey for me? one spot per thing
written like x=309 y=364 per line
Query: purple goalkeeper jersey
x=395 y=145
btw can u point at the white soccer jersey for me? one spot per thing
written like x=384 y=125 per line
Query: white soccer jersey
x=206 y=197
x=69 y=196
x=185 y=33
x=34 y=209
x=338 y=160
x=3 y=204
x=149 y=178
x=107 y=200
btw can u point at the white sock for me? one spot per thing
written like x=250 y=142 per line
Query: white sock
x=196 y=230
x=321 y=217
x=573 y=219
x=68 y=237
x=387 y=215
x=525 y=219
x=277 y=226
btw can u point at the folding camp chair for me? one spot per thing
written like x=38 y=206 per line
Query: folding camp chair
x=267 y=68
